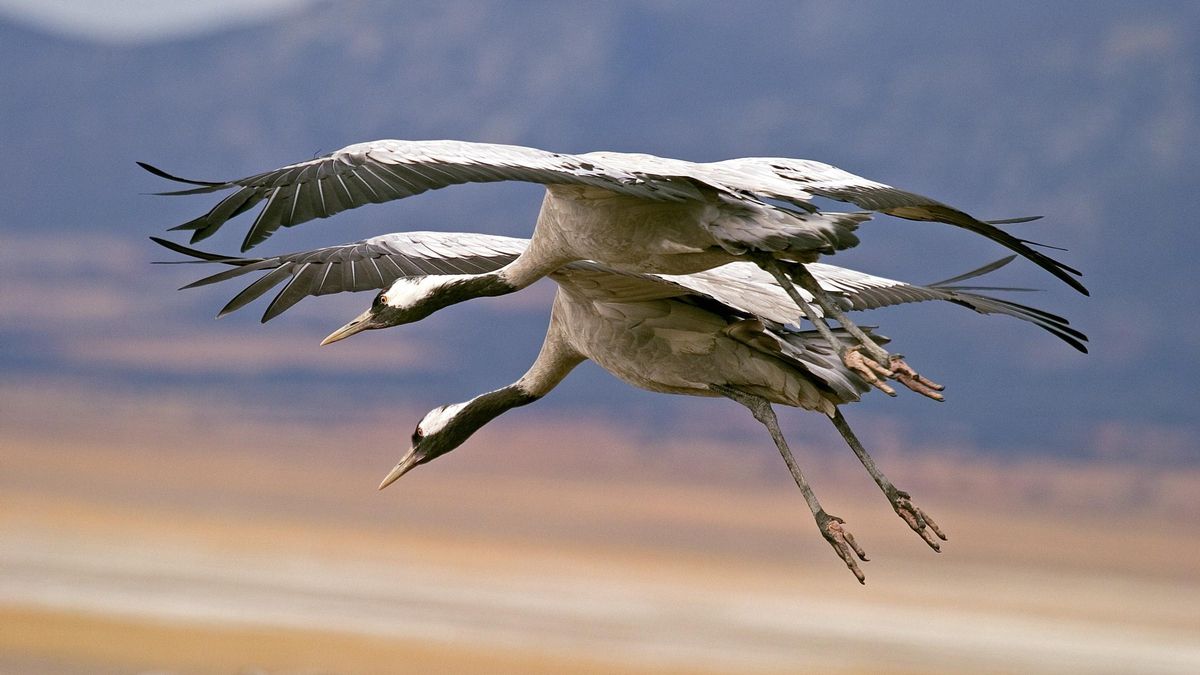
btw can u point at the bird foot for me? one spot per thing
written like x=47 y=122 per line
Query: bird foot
x=834 y=531
x=904 y=374
x=872 y=371
x=917 y=519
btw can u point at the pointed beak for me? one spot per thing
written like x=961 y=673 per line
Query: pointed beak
x=405 y=465
x=365 y=321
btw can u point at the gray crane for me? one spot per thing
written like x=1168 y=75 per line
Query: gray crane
x=632 y=212
x=722 y=332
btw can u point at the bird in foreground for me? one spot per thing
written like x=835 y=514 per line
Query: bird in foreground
x=691 y=334
x=632 y=212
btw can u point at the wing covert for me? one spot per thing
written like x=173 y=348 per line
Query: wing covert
x=380 y=171
x=370 y=264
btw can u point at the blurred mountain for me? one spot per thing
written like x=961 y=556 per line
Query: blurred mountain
x=1086 y=113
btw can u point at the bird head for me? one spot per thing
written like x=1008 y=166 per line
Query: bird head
x=408 y=299
x=446 y=427
x=441 y=430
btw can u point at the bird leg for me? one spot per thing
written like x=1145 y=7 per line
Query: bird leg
x=901 y=501
x=831 y=527
x=893 y=363
x=877 y=362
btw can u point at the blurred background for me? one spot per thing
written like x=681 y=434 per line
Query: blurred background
x=181 y=495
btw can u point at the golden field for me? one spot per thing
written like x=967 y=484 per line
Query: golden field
x=141 y=536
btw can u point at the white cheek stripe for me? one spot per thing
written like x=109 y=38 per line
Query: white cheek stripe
x=438 y=418
x=407 y=291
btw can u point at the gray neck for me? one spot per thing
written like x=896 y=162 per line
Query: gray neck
x=552 y=364
x=487 y=407
x=474 y=286
x=545 y=254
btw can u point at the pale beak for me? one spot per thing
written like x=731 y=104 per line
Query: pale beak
x=405 y=465
x=364 y=321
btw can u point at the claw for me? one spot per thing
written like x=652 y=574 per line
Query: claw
x=869 y=369
x=872 y=371
x=917 y=519
x=843 y=543
x=904 y=374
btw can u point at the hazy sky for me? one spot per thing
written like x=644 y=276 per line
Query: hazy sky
x=140 y=20
x=1085 y=117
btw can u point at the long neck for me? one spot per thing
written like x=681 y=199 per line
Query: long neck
x=555 y=360
x=487 y=407
x=461 y=420
x=461 y=288
x=547 y=251
x=538 y=260
x=526 y=269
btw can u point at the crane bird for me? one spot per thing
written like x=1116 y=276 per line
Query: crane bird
x=721 y=332
x=632 y=212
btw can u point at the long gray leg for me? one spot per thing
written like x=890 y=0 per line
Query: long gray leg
x=818 y=322
x=901 y=501
x=877 y=363
x=831 y=527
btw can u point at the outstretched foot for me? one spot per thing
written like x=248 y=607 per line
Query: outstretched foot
x=872 y=371
x=905 y=375
x=834 y=531
x=917 y=519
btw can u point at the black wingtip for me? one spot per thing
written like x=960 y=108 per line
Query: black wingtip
x=978 y=272
x=1041 y=245
x=163 y=174
x=204 y=233
x=194 y=253
x=1013 y=221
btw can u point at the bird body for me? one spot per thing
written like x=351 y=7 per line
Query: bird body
x=721 y=332
x=643 y=251
x=403 y=266
x=633 y=212
x=637 y=235
x=671 y=346
x=381 y=171
x=664 y=345
x=627 y=233
x=660 y=337
x=679 y=343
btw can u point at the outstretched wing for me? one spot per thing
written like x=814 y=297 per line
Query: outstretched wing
x=365 y=265
x=380 y=171
x=375 y=263
x=865 y=291
x=797 y=180
x=747 y=287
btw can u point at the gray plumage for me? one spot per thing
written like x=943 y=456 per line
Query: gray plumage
x=370 y=264
x=661 y=336
x=375 y=263
x=631 y=212
x=381 y=171
x=722 y=332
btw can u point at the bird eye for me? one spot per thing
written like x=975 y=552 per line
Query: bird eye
x=417 y=436
x=380 y=299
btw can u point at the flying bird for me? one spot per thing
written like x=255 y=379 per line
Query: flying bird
x=399 y=264
x=632 y=212
x=722 y=332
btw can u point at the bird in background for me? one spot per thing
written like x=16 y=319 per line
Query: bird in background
x=723 y=332
x=632 y=212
